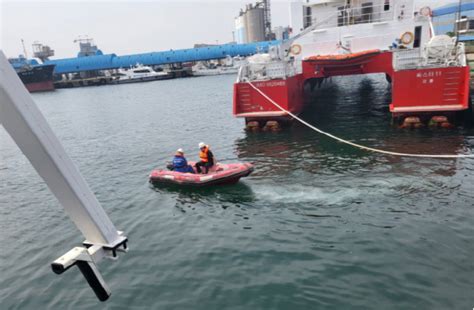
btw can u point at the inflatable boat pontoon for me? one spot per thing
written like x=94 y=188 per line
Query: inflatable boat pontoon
x=217 y=175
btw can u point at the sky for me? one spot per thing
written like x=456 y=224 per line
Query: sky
x=126 y=26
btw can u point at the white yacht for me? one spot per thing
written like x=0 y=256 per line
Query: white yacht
x=229 y=66
x=139 y=73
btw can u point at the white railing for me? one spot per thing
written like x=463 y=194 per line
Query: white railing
x=447 y=55
x=243 y=72
x=277 y=69
x=360 y=15
x=461 y=54
x=408 y=59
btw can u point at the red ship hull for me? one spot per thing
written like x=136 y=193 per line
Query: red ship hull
x=432 y=90
x=40 y=86
x=252 y=105
x=37 y=78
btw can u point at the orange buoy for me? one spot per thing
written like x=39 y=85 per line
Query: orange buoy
x=295 y=49
x=412 y=122
x=447 y=125
x=439 y=119
x=253 y=126
x=407 y=37
x=436 y=121
x=272 y=125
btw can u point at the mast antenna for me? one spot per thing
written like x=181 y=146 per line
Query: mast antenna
x=458 y=20
x=24 y=49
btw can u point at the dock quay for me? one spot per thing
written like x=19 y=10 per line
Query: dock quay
x=91 y=81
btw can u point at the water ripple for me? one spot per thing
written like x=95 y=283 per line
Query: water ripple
x=319 y=225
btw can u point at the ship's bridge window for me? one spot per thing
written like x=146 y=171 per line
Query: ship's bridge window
x=417 y=41
x=367 y=11
x=307 y=17
x=142 y=71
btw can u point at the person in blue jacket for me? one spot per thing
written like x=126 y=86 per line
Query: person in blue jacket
x=180 y=164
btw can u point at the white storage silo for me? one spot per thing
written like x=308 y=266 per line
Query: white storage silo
x=255 y=24
x=240 y=30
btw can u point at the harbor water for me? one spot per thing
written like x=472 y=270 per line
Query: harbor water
x=318 y=225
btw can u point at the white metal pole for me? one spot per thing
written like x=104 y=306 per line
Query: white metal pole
x=29 y=129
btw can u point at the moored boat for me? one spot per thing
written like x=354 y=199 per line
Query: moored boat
x=230 y=65
x=218 y=175
x=428 y=73
x=202 y=70
x=36 y=77
x=139 y=73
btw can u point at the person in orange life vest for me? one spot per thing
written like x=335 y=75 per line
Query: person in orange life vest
x=207 y=158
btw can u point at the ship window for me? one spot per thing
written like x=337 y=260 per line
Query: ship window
x=142 y=71
x=417 y=41
x=386 y=6
x=367 y=10
x=307 y=17
x=341 y=16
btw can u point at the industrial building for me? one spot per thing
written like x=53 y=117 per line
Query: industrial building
x=281 y=33
x=254 y=23
x=455 y=18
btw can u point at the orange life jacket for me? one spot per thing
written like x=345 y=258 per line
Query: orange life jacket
x=204 y=156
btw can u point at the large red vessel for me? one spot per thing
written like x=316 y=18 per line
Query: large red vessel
x=428 y=74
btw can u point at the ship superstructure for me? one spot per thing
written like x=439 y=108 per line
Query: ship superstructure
x=428 y=73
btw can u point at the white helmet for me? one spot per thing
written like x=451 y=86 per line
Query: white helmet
x=201 y=145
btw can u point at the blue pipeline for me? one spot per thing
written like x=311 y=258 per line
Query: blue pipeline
x=112 y=61
x=19 y=63
x=453 y=9
x=87 y=63
x=466 y=38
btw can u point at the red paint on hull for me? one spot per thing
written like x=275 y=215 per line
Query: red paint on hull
x=40 y=86
x=250 y=104
x=430 y=90
x=413 y=91
x=361 y=63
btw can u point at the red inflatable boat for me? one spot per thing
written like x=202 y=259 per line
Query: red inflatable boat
x=217 y=175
